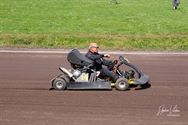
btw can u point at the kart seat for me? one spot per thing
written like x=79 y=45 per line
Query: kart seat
x=76 y=58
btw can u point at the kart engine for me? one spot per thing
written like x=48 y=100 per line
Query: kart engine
x=76 y=73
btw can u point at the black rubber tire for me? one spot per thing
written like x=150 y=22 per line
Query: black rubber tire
x=65 y=77
x=122 y=84
x=59 y=84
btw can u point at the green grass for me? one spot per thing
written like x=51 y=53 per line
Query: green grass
x=132 y=24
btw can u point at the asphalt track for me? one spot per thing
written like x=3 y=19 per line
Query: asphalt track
x=25 y=98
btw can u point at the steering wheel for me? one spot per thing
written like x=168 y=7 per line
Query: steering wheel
x=121 y=58
x=122 y=61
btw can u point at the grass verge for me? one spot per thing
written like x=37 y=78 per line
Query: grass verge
x=160 y=42
x=128 y=25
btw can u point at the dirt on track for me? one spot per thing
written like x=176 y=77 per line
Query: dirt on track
x=25 y=98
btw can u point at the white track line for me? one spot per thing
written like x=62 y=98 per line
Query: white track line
x=53 y=51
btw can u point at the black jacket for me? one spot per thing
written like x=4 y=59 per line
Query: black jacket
x=98 y=60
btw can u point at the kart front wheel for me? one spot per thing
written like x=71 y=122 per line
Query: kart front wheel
x=59 y=84
x=122 y=84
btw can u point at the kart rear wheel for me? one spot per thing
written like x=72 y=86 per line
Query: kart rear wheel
x=122 y=84
x=59 y=84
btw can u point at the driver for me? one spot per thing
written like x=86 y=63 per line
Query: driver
x=100 y=62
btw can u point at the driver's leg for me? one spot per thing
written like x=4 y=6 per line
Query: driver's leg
x=105 y=72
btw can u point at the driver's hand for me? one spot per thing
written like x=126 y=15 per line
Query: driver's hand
x=114 y=69
x=115 y=62
x=107 y=55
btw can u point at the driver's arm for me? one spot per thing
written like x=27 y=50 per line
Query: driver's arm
x=94 y=56
x=107 y=62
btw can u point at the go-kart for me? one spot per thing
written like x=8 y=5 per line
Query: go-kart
x=81 y=76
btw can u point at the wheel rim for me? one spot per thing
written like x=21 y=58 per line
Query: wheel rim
x=59 y=84
x=122 y=84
